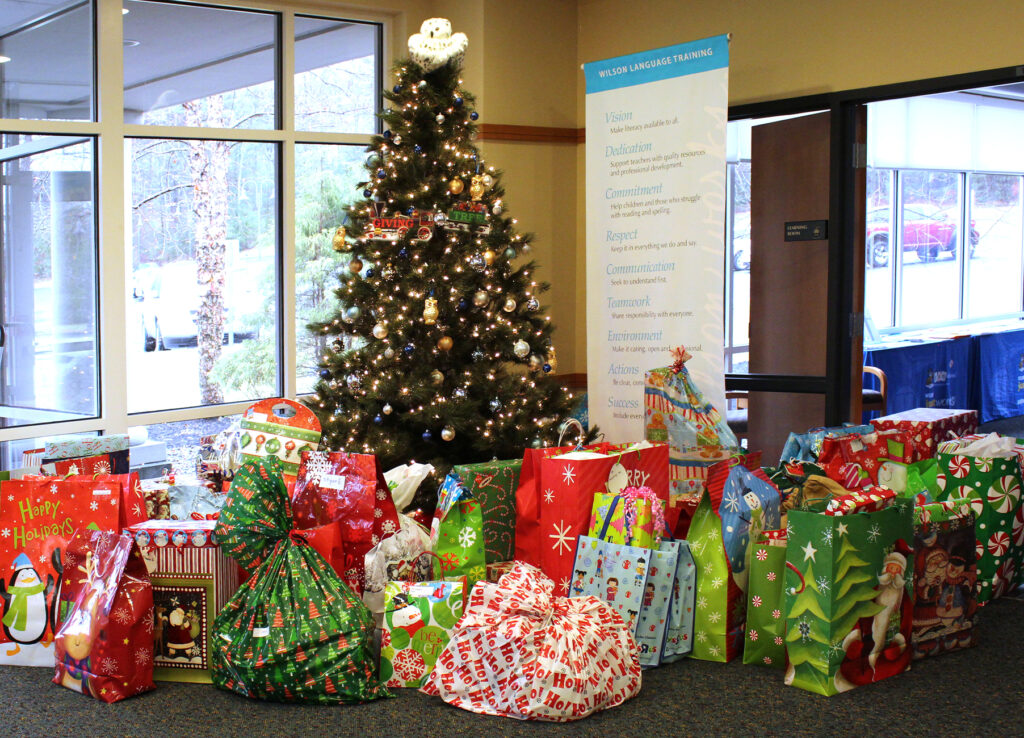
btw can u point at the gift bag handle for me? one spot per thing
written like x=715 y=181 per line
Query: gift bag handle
x=572 y=423
x=412 y=566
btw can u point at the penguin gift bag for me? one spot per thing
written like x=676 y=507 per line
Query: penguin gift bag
x=104 y=648
x=37 y=519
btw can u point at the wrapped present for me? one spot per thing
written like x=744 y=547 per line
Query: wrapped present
x=945 y=578
x=456 y=532
x=280 y=428
x=192 y=580
x=116 y=462
x=737 y=505
x=849 y=597
x=158 y=499
x=865 y=500
x=104 y=646
x=676 y=411
x=38 y=517
x=522 y=652
x=807 y=446
x=418 y=621
x=75 y=447
x=635 y=520
x=764 y=637
x=294 y=632
x=493 y=484
x=497 y=569
x=930 y=426
x=857 y=461
x=347 y=489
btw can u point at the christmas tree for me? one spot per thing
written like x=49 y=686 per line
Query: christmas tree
x=439 y=350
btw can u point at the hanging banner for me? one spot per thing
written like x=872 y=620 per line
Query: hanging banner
x=655 y=224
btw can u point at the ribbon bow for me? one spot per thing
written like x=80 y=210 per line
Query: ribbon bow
x=632 y=496
x=681 y=356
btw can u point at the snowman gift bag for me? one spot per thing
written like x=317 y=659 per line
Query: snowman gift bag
x=418 y=622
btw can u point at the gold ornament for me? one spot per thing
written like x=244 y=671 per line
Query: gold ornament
x=481 y=298
x=355 y=266
x=338 y=242
x=534 y=362
x=476 y=187
x=430 y=311
x=436 y=377
x=447 y=433
x=510 y=305
x=552 y=359
x=456 y=186
x=489 y=257
x=445 y=343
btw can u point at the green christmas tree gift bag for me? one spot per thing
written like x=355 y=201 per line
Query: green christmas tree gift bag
x=294 y=632
x=457 y=532
x=764 y=639
x=849 y=595
x=493 y=484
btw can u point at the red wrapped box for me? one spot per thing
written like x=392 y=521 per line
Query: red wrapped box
x=930 y=426
x=192 y=580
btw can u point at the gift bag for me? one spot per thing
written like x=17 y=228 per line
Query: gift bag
x=766 y=621
x=348 y=489
x=993 y=485
x=294 y=632
x=38 y=516
x=676 y=411
x=281 y=428
x=849 y=597
x=737 y=505
x=945 y=577
x=456 y=532
x=522 y=652
x=104 y=647
x=862 y=460
x=395 y=558
x=613 y=573
x=679 y=628
x=807 y=446
x=493 y=484
x=631 y=522
x=418 y=621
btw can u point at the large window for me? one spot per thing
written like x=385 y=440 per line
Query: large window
x=160 y=269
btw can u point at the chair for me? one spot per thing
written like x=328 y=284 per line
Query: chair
x=875 y=399
x=736 y=418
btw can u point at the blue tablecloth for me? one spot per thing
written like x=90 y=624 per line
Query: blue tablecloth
x=1000 y=375
x=927 y=374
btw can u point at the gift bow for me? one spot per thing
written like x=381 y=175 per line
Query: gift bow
x=681 y=356
x=631 y=497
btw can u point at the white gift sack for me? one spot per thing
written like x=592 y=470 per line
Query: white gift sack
x=403 y=481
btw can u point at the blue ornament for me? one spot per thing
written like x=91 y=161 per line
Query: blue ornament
x=369 y=273
x=381 y=174
x=404 y=253
x=463 y=304
x=547 y=368
x=378 y=419
x=417 y=148
x=396 y=89
x=474 y=115
x=325 y=373
x=427 y=435
x=410 y=210
x=458 y=101
x=367 y=193
x=409 y=348
x=386 y=134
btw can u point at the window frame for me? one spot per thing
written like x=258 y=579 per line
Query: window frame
x=112 y=225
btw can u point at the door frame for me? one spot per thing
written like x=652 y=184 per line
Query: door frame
x=843 y=324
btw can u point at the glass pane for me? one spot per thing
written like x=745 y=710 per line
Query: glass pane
x=187 y=65
x=202 y=297
x=175 y=446
x=877 y=248
x=928 y=245
x=325 y=184
x=47 y=280
x=336 y=66
x=37 y=82
x=994 y=267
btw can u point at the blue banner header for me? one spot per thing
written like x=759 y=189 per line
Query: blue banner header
x=657 y=64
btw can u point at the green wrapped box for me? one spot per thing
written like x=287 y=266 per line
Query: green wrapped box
x=493 y=484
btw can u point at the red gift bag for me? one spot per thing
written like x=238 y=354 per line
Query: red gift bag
x=104 y=647
x=349 y=489
x=38 y=516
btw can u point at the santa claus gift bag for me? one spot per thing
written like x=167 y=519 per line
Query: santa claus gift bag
x=945 y=577
x=521 y=651
x=104 y=647
x=348 y=489
x=849 y=595
x=737 y=505
x=294 y=632
x=38 y=516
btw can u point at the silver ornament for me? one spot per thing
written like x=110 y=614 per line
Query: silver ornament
x=440 y=218
x=510 y=305
x=386 y=409
x=495 y=405
x=389 y=353
x=521 y=348
x=353 y=381
x=352 y=314
x=477 y=262
x=487 y=179
x=447 y=433
x=532 y=305
x=481 y=298
x=439 y=118
x=380 y=331
x=537 y=443
x=496 y=207
x=398 y=140
x=478 y=355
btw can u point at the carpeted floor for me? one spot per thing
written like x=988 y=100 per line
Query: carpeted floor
x=974 y=692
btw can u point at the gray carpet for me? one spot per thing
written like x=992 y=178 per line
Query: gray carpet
x=974 y=692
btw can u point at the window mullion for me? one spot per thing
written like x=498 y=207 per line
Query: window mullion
x=286 y=203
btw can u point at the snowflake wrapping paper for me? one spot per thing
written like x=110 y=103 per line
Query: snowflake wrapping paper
x=38 y=516
x=418 y=622
x=849 y=597
x=104 y=648
x=192 y=580
x=738 y=504
x=493 y=484
x=294 y=632
x=930 y=426
x=993 y=487
x=457 y=532
x=520 y=651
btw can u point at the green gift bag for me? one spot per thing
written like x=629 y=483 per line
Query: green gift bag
x=764 y=640
x=457 y=532
x=493 y=484
x=642 y=532
x=849 y=597
x=294 y=632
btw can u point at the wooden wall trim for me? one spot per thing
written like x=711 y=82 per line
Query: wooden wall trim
x=537 y=134
x=574 y=381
